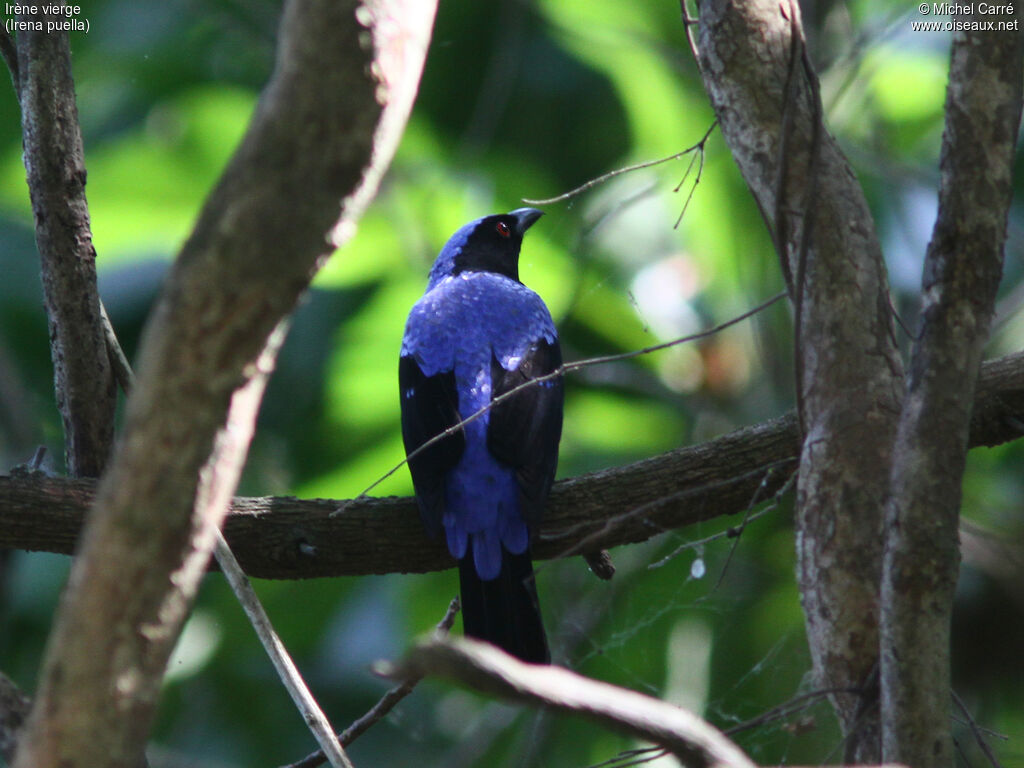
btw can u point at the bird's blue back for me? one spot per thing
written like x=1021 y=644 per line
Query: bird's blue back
x=479 y=344
x=459 y=324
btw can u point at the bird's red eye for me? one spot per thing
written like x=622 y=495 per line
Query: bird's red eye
x=503 y=229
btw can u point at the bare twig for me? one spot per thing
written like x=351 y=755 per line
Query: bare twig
x=286 y=669
x=690 y=23
x=699 y=146
x=35 y=464
x=9 y=53
x=386 y=703
x=487 y=669
x=737 y=531
x=734 y=532
x=699 y=159
x=631 y=757
x=118 y=360
x=779 y=712
x=798 y=61
x=976 y=730
x=786 y=709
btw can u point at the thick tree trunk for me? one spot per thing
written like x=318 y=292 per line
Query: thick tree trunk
x=962 y=270
x=754 y=66
x=324 y=131
x=879 y=491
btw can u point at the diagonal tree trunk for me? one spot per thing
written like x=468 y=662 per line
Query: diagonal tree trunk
x=321 y=137
x=756 y=71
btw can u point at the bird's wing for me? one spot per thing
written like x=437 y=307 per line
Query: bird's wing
x=525 y=428
x=429 y=407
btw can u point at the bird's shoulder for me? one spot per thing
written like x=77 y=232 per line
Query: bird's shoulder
x=480 y=300
x=475 y=310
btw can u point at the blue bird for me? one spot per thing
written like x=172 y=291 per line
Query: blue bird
x=476 y=334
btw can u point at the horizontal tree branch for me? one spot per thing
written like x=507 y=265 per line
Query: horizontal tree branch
x=289 y=538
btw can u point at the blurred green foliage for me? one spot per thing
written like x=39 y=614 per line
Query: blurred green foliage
x=519 y=100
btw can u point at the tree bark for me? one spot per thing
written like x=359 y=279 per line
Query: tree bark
x=55 y=164
x=322 y=134
x=14 y=707
x=482 y=667
x=764 y=93
x=962 y=270
x=287 y=538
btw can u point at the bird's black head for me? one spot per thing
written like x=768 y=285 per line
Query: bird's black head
x=492 y=243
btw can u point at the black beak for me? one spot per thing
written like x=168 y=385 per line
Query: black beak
x=525 y=217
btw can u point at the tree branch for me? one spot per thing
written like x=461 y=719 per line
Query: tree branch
x=54 y=160
x=322 y=134
x=288 y=538
x=285 y=667
x=385 y=704
x=485 y=668
x=9 y=53
x=763 y=90
x=14 y=707
x=962 y=270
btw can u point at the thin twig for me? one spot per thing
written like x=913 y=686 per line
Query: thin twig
x=619 y=171
x=631 y=757
x=787 y=708
x=386 y=703
x=699 y=156
x=588 y=542
x=689 y=23
x=558 y=372
x=286 y=669
x=899 y=321
x=778 y=712
x=794 y=282
x=978 y=735
x=780 y=219
x=810 y=208
x=735 y=531
x=118 y=360
x=9 y=52
x=35 y=464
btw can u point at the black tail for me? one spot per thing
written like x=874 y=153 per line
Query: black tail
x=504 y=611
